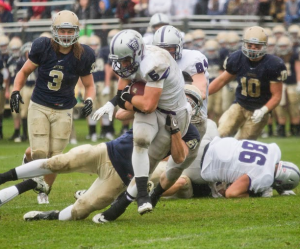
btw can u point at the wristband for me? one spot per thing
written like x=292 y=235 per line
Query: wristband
x=114 y=100
x=128 y=97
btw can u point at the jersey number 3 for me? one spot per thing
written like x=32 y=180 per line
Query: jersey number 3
x=57 y=79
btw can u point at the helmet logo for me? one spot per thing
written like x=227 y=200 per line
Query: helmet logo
x=133 y=44
x=177 y=34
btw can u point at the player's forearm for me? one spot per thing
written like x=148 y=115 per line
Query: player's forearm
x=90 y=91
x=108 y=74
x=178 y=151
x=19 y=81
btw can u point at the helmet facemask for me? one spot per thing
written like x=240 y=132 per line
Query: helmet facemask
x=287 y=176
x=124 y=71
x=253 y=54
x=65 y=40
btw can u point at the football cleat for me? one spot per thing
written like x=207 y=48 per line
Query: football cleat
x=144 y=204
x=42 y=198
x=39 y=215
x=100 y=219
x=42 y=186
x=79 y=193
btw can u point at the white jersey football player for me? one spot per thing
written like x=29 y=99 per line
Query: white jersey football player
x=163 y=95
x=192 y=62
x=248 y=165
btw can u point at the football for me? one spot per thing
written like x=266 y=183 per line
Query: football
x=137 y=87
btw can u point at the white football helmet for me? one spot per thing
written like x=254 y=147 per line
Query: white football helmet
x=65 y=19
x=95 y=43
x=287 y=176
x=83 y=39
x=14 y=47
x=25 y=49
x=255 y=35
x=158 y=20
x=198 y=38
x=169 y=37
x=284 y=46
x=194 y=98
x=126 y=45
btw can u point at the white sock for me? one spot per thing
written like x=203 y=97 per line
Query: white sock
x=132 y=189
x=66 y=214
x=140 y=162
x=8 y=194
x=91 y=121
x=33 y=169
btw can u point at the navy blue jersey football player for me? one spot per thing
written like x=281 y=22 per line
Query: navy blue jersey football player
x=60 y=62
x=111 y=161
x=259 y=76
x=289 y=106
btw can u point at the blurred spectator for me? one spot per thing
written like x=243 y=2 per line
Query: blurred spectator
x=277 y=10
x=216 y=7
x=182 y=9
x=201 y=7
x=159 y=6
x=38 y=12
x=5 y=14
x=263 y=8
x=141 y=8
x=105 y=9
x=292 y=8
x=84 y=9
x=241 y=7
x=125 y=10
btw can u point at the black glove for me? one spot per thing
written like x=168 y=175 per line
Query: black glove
x=121 y=100
x=172 y=124
x=88 y=107
x=15 y=98
x=125 y=95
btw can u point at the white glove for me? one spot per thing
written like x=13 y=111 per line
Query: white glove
x=108 y=108
x=288 y=192
x=106 y=90
x=259 y=114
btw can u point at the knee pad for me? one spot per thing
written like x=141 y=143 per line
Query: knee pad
x=141 y=142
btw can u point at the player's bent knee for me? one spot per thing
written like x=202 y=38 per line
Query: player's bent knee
x=38 y=154
x=173 y=174
x=142 y=142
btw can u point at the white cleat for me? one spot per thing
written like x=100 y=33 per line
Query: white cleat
x=42 y=186
x=99 y=219
x=42 y=198
x=39 y=215
x=79 y=193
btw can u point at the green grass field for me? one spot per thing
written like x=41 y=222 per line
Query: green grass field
x=195 y=223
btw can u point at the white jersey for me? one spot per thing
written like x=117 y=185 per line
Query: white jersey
x=194 y=62
x=148 y=38
x=159 y=69
x=227 y=159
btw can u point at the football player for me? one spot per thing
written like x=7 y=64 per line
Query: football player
x=14 y=47
x=192 y=62
x=248 y=165
x=60 y=61
x=289 y=104
x=156 y=21
x=259 y=76
x=164 y=94
x=111 y=161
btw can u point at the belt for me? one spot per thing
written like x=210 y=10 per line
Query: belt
x=165 y=111
x=204 y=152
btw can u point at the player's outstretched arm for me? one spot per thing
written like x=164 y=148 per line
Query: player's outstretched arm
x=239 y=188
x=219 y=82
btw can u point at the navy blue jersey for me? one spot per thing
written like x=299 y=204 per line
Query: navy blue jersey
x=30 y=81
x=12 y=69
x=289 y=61
x=5 y=58
x=101 y=60
x=224 y=53
x=253 y=90
x=120 y=152
x=58 y=74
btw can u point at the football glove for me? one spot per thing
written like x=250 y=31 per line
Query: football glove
x=108 y=108
x=15 y=98
x=88 y=107
x=172 y=124
x=259 y=114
